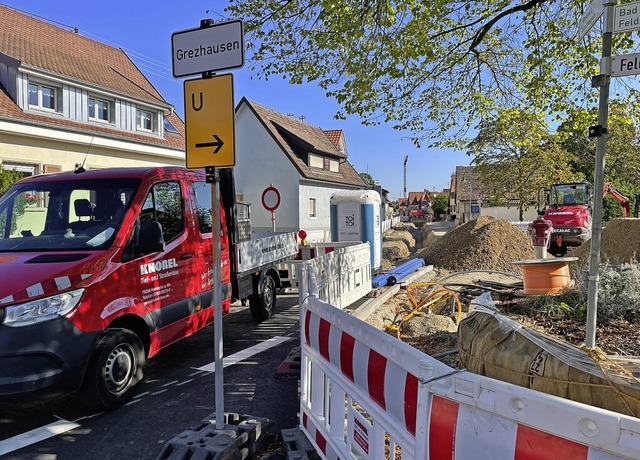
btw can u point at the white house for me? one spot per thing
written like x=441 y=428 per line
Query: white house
x=304 y=163
x=67 y=99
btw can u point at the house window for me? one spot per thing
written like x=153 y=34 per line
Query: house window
x=313 y=211
x=316 y=161
x=144 y=120
x=43 y=97
x=334 y=165
x=99 y=109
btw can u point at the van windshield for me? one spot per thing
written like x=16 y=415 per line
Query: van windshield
x=75 y=215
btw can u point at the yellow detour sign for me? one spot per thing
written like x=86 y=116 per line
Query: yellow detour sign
x=209 y=122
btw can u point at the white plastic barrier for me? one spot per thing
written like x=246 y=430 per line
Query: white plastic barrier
x=389 y=223
x=342 y=269
x=364 y=393
x=522 y=226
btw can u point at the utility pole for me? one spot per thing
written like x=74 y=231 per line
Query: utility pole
x=405 y=176
x=600 y=132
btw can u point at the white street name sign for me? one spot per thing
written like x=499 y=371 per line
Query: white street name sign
x=217 y=47
x=589 y=18
x=626 y=17
x=627 y=64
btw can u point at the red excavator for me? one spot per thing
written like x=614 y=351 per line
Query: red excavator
x=569 y=207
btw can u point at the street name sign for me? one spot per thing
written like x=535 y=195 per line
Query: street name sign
x=209 y=119
x=591 y=15
x=217 y=47
x=626 y=17
x=627 y=64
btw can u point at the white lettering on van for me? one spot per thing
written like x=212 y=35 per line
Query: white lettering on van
x=153 y=267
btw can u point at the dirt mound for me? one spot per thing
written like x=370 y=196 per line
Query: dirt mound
x=620 y=242
x=482 y=244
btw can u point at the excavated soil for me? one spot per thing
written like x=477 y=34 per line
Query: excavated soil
x=493 y=245
x=620 y=242
x=482 y=244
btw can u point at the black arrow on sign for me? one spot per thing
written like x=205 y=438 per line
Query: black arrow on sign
x=217 y=144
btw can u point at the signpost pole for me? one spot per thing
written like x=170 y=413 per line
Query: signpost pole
x=217 y=301
x=599 y=131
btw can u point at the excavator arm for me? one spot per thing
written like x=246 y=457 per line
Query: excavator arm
x=610 y=189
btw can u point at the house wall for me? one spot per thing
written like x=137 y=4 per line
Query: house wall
x=259 y=163
x=39 y=146
x=318 y=228
x=510 y=214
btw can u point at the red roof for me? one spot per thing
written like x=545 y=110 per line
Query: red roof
x=41 y=46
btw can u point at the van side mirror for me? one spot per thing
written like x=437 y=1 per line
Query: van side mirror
x=150 y=238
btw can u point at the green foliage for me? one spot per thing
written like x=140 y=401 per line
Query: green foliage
x=368 y=178
x=435 y=68
x=516 y=155
x=618 y=294
x=8 y=178
x=440 y=203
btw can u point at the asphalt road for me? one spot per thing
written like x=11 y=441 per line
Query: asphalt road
x=176 y=394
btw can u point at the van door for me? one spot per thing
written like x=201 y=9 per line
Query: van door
x=163 y=276
x=204 y=241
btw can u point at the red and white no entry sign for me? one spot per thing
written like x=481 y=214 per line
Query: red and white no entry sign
x=271 y=198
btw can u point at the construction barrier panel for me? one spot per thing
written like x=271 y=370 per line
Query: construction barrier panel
x=366 y=395
x=343 y=270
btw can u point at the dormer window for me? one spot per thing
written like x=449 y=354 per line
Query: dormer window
x=99 y=110
x=324 y=163
x=144 y=120
x=43 y=97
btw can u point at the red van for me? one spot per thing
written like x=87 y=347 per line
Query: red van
x=102 y=269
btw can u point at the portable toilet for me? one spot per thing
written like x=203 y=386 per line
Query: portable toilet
x=355 y=216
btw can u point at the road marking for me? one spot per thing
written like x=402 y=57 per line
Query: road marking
x=37 y=435
x=246 y=353
x=62 y=426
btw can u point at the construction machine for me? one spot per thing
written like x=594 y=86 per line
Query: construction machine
x=569 y=207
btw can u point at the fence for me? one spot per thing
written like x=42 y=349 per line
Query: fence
x=389 y=223
x=343 y=270
x=366 y=395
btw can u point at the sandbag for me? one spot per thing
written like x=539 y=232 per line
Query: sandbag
x=493 y=345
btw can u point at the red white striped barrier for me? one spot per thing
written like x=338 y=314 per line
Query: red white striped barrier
x=393 y=398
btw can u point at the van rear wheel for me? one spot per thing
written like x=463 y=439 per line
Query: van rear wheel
x=114 y=369
x=263 y=302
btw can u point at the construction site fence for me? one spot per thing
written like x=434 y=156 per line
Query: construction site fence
x=342 y=269
x=389 y=224
x=522 y=226
x=367 y=395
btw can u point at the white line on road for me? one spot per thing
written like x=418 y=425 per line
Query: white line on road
x=62 y=426
x=246 y=353
x=37 y=435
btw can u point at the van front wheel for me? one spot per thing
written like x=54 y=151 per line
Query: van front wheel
x=263 y=302
x=115 y=367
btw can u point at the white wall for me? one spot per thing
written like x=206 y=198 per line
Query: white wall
x=259 y=163
x=510 y=214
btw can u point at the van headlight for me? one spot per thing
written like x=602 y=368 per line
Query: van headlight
x=38 y=311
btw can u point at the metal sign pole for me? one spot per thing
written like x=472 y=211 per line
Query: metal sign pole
x=599 y=131
x=217 y=302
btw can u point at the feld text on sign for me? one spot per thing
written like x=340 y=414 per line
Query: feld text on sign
x=626 y=17
x=627 y=64
x=209 y=122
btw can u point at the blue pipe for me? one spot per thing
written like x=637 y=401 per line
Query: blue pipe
x=392 y=276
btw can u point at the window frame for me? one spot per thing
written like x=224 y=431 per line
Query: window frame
x=92 y=116
x=312 y=208
x=139 y=126
x=39 y=105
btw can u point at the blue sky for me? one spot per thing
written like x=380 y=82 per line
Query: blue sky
x=143 y=29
